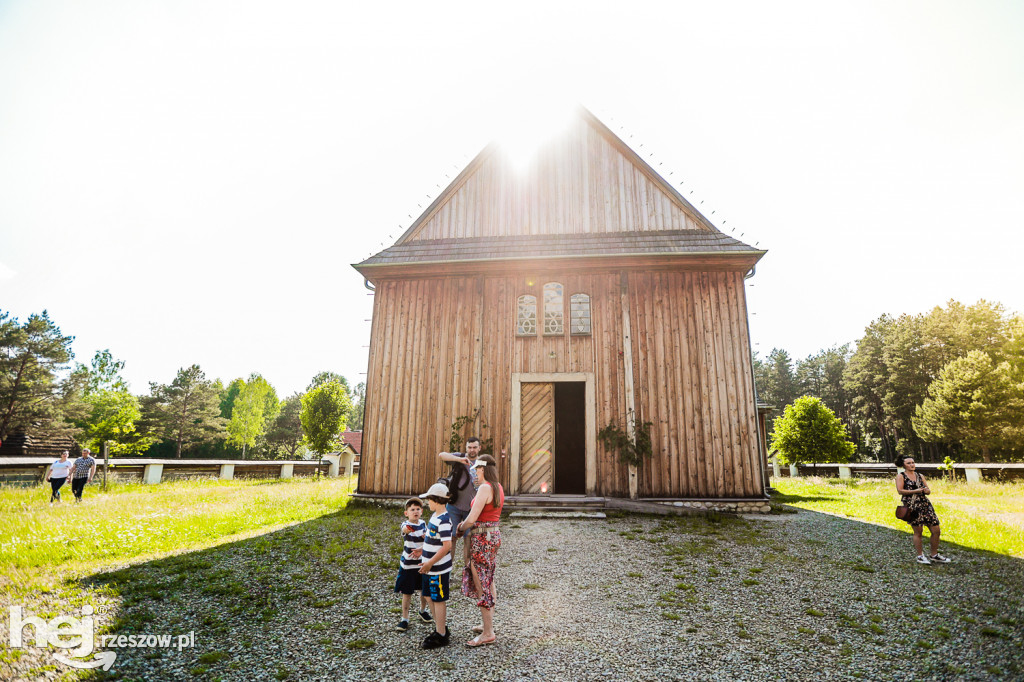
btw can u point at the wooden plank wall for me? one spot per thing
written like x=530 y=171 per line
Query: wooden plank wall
x=702 y=406
x=579 y=183
x=432 y=360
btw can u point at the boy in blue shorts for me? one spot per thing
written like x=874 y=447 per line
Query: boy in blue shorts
x=409 y=579
x=437 y=563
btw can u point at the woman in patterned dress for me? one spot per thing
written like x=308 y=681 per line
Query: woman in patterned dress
x=482 y=542
x=912 y=487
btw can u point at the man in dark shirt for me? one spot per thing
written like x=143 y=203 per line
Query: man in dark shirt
x=462 y=498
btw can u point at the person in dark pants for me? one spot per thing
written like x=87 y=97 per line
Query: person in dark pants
x=84 y=470
x=58 y=475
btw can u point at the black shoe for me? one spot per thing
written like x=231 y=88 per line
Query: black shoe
x=403 y=625
x=435 y=641
x=426 y=617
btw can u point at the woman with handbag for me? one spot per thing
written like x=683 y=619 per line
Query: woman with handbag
x=482 y=542
x=920 y=512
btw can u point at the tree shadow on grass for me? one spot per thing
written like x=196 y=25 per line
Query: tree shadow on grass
x=782 y=498
x=250 y=602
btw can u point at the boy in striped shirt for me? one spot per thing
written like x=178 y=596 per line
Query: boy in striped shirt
x=437 y=563
x=409 y=579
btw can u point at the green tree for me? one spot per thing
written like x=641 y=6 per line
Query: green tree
x=32 y=397
x=324 y=411
x=776 y=384
x=102 y=373
x=976 y=402
x=185 y=411
x=355 y=415
x=253 y=410
x=286 y=435
x=228 y=395
x=810 y=432
x=324 y=377
x=111 y=418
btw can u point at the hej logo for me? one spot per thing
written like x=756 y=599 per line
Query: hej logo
x=62 y=632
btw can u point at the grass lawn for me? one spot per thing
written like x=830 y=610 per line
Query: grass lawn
x=43 y=546
x=984 y=516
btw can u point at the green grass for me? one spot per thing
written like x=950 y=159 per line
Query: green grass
x=984 y=516
x=133 y=522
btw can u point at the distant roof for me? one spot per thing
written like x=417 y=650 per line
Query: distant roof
x=354 y=439
x=538 y=247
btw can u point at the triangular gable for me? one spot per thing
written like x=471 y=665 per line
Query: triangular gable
x=584 y=182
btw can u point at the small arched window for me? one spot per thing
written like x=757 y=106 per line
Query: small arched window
x=526 y=315
x=579 y=315
x=553 y=309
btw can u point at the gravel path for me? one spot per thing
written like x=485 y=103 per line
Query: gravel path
x=803 y=596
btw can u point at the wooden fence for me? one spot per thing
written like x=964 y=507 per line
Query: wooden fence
x=32 y=470
x=971 y=472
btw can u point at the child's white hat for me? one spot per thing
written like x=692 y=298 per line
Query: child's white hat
x=436 y=490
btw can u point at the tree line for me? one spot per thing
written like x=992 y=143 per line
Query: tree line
x=42 y=392
x=949 y=382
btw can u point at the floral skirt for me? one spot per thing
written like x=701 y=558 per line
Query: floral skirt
x=483 y=557
x=922 y=513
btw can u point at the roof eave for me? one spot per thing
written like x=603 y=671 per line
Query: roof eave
x=742 y=257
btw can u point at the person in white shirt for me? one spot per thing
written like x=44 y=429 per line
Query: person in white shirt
x=58 y=475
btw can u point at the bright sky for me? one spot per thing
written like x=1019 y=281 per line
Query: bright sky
x=188 y=182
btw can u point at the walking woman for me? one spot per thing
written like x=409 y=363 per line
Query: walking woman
x=914 y=490
x=85 y=469
x=482 y=542
x=58 y=475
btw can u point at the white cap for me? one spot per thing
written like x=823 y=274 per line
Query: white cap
x=436 y=490
x=478 y=463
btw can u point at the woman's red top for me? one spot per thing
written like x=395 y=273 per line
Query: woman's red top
x=492 y=512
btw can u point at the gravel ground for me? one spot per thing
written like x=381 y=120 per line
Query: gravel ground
x=802 y=596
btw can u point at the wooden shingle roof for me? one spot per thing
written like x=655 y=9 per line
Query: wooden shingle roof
x=541 y=247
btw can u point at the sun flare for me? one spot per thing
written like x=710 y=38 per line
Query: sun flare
x=528 y=124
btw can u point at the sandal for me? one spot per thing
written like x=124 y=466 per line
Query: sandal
x=476 y=641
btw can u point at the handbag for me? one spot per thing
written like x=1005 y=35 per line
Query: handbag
x=902 y=511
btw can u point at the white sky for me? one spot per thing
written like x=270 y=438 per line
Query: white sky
x=188 y=182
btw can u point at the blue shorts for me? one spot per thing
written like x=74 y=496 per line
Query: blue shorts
x=457 y=516
x=436 y=587
x=409 y=580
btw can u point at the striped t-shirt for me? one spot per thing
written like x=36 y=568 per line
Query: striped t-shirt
x=439 y=530
x=413 y=541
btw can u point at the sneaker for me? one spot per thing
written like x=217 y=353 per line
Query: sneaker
x=403 y=625
x=426 y=617
x=434 y=640
x=939 y=559
x=922 y=559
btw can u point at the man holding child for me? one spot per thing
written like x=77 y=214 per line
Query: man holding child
x=462 y=493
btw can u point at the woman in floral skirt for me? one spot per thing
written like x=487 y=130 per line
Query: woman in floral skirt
x=482 y=542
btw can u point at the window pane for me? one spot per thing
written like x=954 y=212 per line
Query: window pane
x=553 y=309
x=526 y=317
x=579 y=314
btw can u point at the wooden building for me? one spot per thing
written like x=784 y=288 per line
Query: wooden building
x=550 y=302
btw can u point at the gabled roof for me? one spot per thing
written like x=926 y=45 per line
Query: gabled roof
x=587 y=194
x=353 y=439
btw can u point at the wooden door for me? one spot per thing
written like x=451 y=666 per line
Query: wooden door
x=537 y=439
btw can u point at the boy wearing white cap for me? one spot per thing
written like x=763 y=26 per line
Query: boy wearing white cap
x=437 y=563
